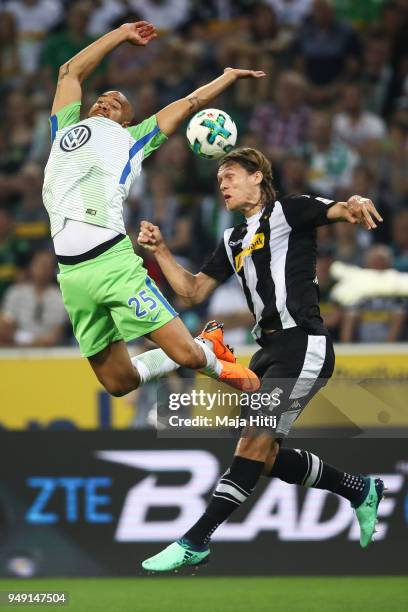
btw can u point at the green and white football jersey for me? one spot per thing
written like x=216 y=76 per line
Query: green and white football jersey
x=92 y=165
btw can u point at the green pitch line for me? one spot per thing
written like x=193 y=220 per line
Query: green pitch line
x=202 y=594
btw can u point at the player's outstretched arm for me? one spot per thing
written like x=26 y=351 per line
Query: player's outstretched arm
x=357 y=209
x=192 y=288
x=170 y=117
x=75 y=70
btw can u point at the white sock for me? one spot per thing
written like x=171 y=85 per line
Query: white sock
x=153 y=364
x=213 y=367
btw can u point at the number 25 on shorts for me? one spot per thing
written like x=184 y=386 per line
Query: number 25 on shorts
x=140 y=301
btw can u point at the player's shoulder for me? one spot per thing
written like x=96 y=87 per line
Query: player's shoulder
x=294 y=198
x=304 y=198
x=143 y=128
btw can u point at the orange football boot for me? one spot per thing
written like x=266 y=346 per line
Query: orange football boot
x=238 y=376
x=233 y=374
x=213 y=331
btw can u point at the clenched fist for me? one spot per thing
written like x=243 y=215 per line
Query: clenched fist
x=150 y=236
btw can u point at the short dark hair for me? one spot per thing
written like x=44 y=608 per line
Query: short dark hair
x=253 y=160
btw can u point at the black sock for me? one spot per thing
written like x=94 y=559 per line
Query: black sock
x=304 y=468
x=232 y=490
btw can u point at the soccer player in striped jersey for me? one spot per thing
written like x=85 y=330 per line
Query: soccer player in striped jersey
x=273 y=255
x=106 y=290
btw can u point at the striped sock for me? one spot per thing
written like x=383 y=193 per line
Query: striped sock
x=303 y=468
x=233 y=488
x=299 y=467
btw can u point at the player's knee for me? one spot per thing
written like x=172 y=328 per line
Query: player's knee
x=118 y=388
x=248 y=448
x=255 y=447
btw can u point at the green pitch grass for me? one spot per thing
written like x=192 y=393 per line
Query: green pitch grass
x=201 y=594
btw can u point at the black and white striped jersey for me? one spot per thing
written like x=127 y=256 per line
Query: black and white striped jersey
x=273 y=254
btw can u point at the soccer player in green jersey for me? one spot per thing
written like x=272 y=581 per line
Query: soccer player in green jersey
x=106 y=290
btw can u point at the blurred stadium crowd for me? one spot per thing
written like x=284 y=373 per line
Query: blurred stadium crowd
x=332 y=116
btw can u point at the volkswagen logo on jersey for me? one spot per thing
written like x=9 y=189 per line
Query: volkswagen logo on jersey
x=75 y=138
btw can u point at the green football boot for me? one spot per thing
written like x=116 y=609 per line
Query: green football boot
x=367 y=511
x=178 y=554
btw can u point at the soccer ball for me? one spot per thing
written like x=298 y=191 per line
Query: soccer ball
x=211 y=133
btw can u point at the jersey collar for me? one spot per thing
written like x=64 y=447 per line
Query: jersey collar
x=253 y=219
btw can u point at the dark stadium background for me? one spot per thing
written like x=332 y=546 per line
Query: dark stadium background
x=332 y=116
